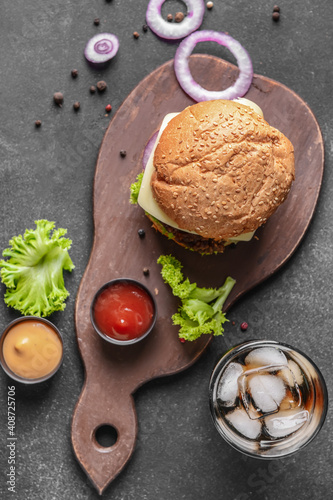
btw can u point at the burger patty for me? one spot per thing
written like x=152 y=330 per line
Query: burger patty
x=205 y=246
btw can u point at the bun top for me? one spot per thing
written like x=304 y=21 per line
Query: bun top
x=221 y=170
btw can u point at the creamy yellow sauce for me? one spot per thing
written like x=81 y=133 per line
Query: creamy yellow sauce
x=32 y=349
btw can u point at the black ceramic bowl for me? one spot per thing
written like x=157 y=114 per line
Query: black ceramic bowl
x=125 y=282
x=9 y=371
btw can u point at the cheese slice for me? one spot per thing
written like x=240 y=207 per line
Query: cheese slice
x=146 y=199
x=250 y=104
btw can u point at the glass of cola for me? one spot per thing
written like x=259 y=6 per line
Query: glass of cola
x=267 y=399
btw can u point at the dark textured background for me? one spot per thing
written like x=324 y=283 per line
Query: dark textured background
x=48 y=173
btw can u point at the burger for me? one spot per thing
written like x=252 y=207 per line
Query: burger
x=217 y=172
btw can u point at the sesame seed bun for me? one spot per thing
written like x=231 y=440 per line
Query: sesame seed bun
x=221 y=170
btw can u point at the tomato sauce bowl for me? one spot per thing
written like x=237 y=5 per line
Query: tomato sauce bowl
x=123 y=311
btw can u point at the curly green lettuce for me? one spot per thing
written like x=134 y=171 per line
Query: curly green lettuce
x=33 y=271
x=135 y=189
x=200 y=311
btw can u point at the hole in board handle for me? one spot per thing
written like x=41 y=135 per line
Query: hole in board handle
x=106 y=435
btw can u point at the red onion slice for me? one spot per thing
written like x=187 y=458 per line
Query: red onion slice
x=175 y=31
x=101 y=48
x=191 y=87
x=148 y=149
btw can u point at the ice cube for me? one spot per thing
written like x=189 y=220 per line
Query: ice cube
x=267 y=392
x=240 y=420
x=227 y=389
x=286 y=422
x=288 y=376
x=296 y=371
x=266 y=356
x=293 y=396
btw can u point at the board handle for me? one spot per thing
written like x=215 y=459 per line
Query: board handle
x=117 y=411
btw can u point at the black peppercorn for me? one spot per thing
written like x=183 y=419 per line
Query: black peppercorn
x=136 y=34
x=38 y=123
x=170 y=18
x=179 y=17
x=276 y=16
x=123 y=153
x=96 y=21
x=58 y=98
x=101 y=86
x=145 y=28
x=146 y=271
x=76 y=105
x=92 y=89
x=141 y=233
x=74 y=73
x=276 y=8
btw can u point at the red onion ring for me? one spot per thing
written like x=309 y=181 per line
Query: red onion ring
x=172 y=31
x=191 y=87
x=149 y=148
x=101 y=48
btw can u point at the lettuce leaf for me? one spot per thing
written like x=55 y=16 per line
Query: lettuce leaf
x=135 y=189
x=200 y=311
x=33 y=272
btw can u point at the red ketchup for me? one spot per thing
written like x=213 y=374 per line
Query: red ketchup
x=123 y=311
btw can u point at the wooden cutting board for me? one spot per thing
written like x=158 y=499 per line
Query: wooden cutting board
x=113 y=373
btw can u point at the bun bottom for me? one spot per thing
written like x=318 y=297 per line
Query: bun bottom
x=194 y=242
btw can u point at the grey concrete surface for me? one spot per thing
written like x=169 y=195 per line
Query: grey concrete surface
x=48 y=173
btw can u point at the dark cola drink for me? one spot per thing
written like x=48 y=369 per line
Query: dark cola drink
x=267 y=399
